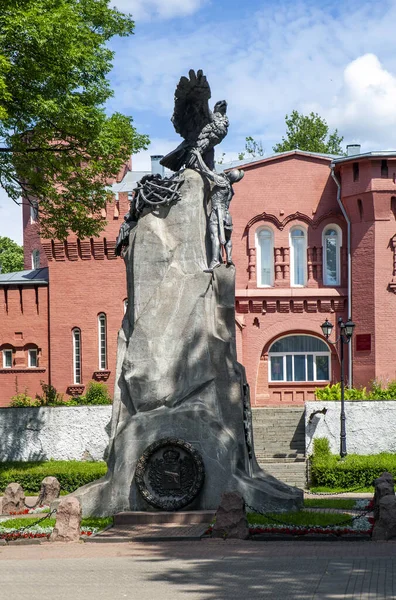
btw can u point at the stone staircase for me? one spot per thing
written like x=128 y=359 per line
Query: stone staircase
x=279 y=442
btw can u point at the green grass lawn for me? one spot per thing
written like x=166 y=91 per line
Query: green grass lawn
x=342 y=503
x=338 y=490
x=300 y=518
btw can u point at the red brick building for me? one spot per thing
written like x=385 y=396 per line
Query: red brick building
x=314 y=237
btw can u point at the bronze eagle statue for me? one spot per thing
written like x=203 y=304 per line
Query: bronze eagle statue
x=192 y=118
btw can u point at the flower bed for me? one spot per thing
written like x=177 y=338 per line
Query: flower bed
x=31 y=511
x=21 y=529
x=10 y=534
x=362 y=524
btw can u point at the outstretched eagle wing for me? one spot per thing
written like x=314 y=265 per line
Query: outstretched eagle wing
x=191 y=112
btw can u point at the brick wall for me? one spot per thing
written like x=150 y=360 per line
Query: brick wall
x=281 y=193
x=24 y=325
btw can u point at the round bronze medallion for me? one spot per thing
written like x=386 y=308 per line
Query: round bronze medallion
x=170 y=474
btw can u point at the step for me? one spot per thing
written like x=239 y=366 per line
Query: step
x=299 y=458
x=161 y=517
x=291 y=473
x=278 y=409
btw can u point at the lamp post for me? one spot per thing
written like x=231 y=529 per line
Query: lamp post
x=346 y=331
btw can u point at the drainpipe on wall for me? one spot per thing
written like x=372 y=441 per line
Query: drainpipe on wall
x=338 y=184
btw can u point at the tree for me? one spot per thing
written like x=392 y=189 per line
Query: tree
x=11 y=256
x=252 y=148
x=58 y=144
x=310 y=133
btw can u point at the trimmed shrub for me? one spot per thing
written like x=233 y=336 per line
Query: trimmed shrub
x=70 y=474
x=329 y=470
x=321 y=447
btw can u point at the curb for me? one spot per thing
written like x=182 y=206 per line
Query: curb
x=262 y=537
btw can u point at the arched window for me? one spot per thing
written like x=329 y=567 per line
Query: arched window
x=76 y=355
x=102 y=337
x=265 y=258
x=36 y=259
x=332 y=241
x=125 y=305
x=298 y=257
x=299 y=358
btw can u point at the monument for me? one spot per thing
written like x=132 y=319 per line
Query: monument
x=181 y=431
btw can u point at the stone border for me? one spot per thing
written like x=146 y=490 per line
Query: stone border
x=174 y=504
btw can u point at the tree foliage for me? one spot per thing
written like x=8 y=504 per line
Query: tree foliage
x=58 y=144
x=310 y=133
x=11 y=256
x=253 y=149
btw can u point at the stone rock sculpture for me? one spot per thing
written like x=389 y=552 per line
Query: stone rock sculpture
x=13 y=499
x=177 y=372
x=231 y=521
x=68 y=521
x=383 y=486
x=49 y=491
x=384 y=508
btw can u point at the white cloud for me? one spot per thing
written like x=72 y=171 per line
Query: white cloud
x=365 y=108
x=159 y=9
x=10 y=218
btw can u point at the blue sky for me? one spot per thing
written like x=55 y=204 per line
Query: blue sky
x=265 y=58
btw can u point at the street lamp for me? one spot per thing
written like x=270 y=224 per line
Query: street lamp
x=346 y=332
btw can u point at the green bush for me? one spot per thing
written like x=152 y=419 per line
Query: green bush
x=97 y=393
x=378 y=391
x=321 y=447
x=329 y=470
x=49 y=397
x=71 y=474
x=22 y=399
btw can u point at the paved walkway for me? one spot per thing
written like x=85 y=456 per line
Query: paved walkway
x=205 y=570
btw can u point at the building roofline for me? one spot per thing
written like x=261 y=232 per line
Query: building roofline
x=257 y=161
x=357 y=157
x=31 y=277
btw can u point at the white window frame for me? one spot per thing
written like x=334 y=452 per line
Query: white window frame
x=7 y=352
x=338 y=256
x=32 y=352
x=125 y=305
x=284 y=354
x=33 y=211
x=305 y=353
x=258 y=258
x=102 y=341
x=76 y=334
x=35 y=259
x=292 y=259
